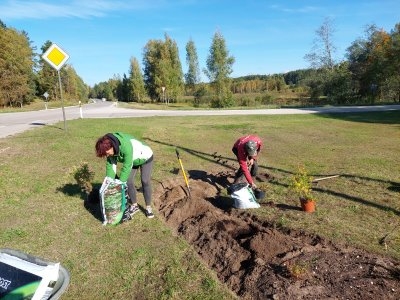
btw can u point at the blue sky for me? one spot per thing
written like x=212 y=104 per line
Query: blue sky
x=264 y=36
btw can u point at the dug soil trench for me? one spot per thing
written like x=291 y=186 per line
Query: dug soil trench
x=258 y=260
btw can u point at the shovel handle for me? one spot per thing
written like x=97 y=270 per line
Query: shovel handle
x=183 y=171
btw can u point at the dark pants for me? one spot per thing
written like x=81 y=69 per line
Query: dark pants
x=145 y=177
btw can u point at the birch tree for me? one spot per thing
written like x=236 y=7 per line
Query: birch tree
x=323 y=49
x=219 y=67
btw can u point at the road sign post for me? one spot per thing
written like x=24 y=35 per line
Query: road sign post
x=163 y=92
x=56 y=57
x=80 y=109
x=45 y=95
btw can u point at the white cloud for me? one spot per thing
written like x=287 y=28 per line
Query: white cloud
x=303 y=9
x=23 y=9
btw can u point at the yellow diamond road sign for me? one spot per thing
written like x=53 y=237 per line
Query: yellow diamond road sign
x=55 y=56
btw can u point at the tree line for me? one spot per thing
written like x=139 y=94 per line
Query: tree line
x=162 y=80
x=24 y=75
x=369 y=74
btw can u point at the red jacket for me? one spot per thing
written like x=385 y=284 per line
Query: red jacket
x=240 y=152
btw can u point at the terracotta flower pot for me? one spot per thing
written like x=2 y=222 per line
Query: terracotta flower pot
x=307 y=205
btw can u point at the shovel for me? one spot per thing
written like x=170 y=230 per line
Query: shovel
x=183 y=171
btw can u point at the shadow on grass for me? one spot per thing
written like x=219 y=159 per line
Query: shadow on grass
x=360 y=201
x=394 y=188
x=283 y=206
x=33 y=133
x=209 y=178
x=382 y=117
x=91 y=201
x=215 y=158
x=45 y=125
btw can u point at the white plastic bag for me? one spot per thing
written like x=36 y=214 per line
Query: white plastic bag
x=244 y=198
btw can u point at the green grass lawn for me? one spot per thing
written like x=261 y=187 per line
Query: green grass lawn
x=43 y=213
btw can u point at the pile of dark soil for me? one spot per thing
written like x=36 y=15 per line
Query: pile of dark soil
x=257 y=260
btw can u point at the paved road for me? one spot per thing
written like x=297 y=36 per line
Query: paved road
x=13 y=123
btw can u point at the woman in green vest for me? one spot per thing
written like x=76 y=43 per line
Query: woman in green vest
x=133 y=154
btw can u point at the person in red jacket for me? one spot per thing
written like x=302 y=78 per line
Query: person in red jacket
x=246 y=149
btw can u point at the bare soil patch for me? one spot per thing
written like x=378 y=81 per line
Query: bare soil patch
x=258 y=260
